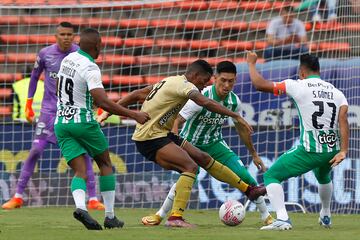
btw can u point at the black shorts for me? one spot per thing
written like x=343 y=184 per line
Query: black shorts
x=149 y=148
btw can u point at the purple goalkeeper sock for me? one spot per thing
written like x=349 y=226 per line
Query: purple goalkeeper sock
x=91 y=182
x=27 y=170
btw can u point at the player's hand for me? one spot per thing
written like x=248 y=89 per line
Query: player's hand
x=337 y=159
x=102 y=117
x=142 y=117
x=244 y=124
x=258 y=162
x=251 y=57
x=29 y=112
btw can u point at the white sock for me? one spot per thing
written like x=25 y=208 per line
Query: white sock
x=276 y=196
x=109 y=200
x=18 y=195
x=325 y=192
x=261 y=205
x=79 y=199
x=166 y=207
x=93 y=198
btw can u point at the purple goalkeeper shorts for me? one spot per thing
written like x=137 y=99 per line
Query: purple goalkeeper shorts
x=45 y=128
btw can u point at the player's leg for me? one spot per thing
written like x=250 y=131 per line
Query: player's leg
x=273 y=178
x=235 y=164
x=27 y=170
x=155 y=219
x=166 y=206
x=43 y=135
x=93 y=203
x=294 y=162
x=78 y=189
x=97 y=147
x=325 y=191
x=222 y=153
x=107 y=188
x=171 y=156
x=325 y=186
x=74 y=153
x=222 y=173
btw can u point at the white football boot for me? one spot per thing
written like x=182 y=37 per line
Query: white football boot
x=278 y=225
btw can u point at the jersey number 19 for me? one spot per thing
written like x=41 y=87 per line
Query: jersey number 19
x=69 y=85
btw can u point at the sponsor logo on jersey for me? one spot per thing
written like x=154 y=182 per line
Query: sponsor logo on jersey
x=328 y=138
x=170 y=113
x=209 y=120
x=68 y=113
x=53 y=75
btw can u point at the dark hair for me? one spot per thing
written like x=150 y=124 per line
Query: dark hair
x=200 y=66
x=66 y=25
x=90 y=31
x=287 y=8
x=225 y=66
x=311 y=62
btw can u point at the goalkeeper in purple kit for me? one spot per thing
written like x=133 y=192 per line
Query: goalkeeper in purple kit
x=49 y=60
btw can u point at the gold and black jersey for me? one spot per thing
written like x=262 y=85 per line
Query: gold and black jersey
x=163 y=104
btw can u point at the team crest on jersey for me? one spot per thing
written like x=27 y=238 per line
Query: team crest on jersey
x=68 y=113
x=328 y=138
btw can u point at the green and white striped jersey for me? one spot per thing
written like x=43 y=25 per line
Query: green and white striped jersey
x=78 y=75
x=318 y=104
x=203 y=127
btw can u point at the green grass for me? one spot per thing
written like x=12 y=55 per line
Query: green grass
x=58 y=223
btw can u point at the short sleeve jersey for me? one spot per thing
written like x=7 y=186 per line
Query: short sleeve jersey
x=78 y=75
x=202 y=126
x=163 y=105
x=318 y=103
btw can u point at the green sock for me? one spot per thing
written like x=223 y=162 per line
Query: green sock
x=78 y=183
x=107 y=183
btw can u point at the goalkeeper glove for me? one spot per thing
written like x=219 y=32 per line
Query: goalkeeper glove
x=29 y=112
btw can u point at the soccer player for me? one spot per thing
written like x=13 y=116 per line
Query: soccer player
x=163 y=101
x=78 y=132
x=324 y=135
x=49 y=60
x=203 y=129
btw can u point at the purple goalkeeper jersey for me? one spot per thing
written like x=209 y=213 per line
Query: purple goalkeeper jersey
x=48 y=60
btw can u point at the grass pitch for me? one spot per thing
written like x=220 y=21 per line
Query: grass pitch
x=58 y=223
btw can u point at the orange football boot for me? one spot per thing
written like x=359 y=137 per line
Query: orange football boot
x=95 y=205
x=13 y=203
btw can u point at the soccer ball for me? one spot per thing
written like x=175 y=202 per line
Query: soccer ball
x=232 y=213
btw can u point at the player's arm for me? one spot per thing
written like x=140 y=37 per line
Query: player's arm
x=187 y=112
x=133 y=97
x=257 y=80
x=101 y=100
x=179 y=121
x=214 y=106
x=344 y=137
x=245 y=137
x=35 y=75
